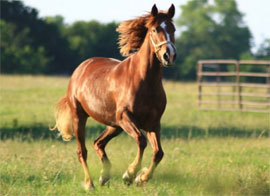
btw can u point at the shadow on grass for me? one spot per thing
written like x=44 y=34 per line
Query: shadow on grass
x=39 y=131
x=188 y=132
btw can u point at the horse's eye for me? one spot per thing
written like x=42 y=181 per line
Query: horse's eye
x=154 y=30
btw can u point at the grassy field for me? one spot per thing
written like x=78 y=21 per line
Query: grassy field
x=206 y=153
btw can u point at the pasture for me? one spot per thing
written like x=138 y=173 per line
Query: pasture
x=206 y=153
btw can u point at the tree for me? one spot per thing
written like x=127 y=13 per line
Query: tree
x=90 y=39
x=209 y=30
x=17 y=54
x=263 y=52
x=30 y=44
x=35 y=39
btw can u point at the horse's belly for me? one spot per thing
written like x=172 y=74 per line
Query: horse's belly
x=101 y=109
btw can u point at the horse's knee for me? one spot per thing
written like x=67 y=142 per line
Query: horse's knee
x=98 y=145
x=82 y=154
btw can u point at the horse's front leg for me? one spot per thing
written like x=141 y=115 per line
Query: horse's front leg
x=128 y=125
x=154 y=139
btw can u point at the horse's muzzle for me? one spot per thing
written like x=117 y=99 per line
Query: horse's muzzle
x=168 y=58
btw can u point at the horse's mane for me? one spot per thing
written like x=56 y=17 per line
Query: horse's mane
x=133 y=32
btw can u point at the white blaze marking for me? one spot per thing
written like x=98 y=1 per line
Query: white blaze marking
x=171 y=49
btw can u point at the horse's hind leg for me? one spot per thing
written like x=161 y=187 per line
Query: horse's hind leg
x=99 y=145
x=78 y=123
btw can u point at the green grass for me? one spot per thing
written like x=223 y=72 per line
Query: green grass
x=195 y=167
x=206 y=153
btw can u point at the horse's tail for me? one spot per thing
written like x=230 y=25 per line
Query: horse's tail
x=63 y=118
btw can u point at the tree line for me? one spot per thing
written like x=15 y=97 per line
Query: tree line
x=30 y=44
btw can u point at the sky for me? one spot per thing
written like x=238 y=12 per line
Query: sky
x=256 y=12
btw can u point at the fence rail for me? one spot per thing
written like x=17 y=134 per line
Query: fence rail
x=239 y=90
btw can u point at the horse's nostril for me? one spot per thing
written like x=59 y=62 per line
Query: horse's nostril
x=166 y=57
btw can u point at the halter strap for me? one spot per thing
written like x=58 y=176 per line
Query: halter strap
x=158 y=46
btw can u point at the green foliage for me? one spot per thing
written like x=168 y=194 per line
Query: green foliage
x=209 y=31
x=48 y=45
x=90 y=39
x=17 y=53
x=263 y=52
x=39 y=46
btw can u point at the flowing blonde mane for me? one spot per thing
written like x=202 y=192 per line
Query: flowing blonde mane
x=133 y=32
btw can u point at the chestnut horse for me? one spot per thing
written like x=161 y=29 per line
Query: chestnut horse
x=123 y=95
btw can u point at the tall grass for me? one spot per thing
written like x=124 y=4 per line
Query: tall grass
x=206 y=153
x=214 y=166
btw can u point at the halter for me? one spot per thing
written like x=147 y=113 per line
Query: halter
x=158 y=46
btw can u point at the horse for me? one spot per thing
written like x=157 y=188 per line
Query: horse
x=124 y=95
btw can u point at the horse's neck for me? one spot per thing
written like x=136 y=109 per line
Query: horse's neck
x=147 y=64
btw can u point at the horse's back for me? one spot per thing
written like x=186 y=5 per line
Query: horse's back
x=92 y=64
x=97 y=66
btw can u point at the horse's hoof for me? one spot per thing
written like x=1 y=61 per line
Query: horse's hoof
x=139 y=181
x=127 y=178
x=88 y=186
x=104 y=180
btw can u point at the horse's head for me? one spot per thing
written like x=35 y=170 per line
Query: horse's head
x=161 y=33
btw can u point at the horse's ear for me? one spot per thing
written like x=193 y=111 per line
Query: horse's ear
x=171 y=11
x=154 y=10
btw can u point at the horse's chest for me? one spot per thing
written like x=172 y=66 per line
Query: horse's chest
x=148 y=108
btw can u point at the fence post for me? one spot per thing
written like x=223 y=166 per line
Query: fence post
x=199 y=80
x=238 y=85
x=268 y=89
x=218 y=86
